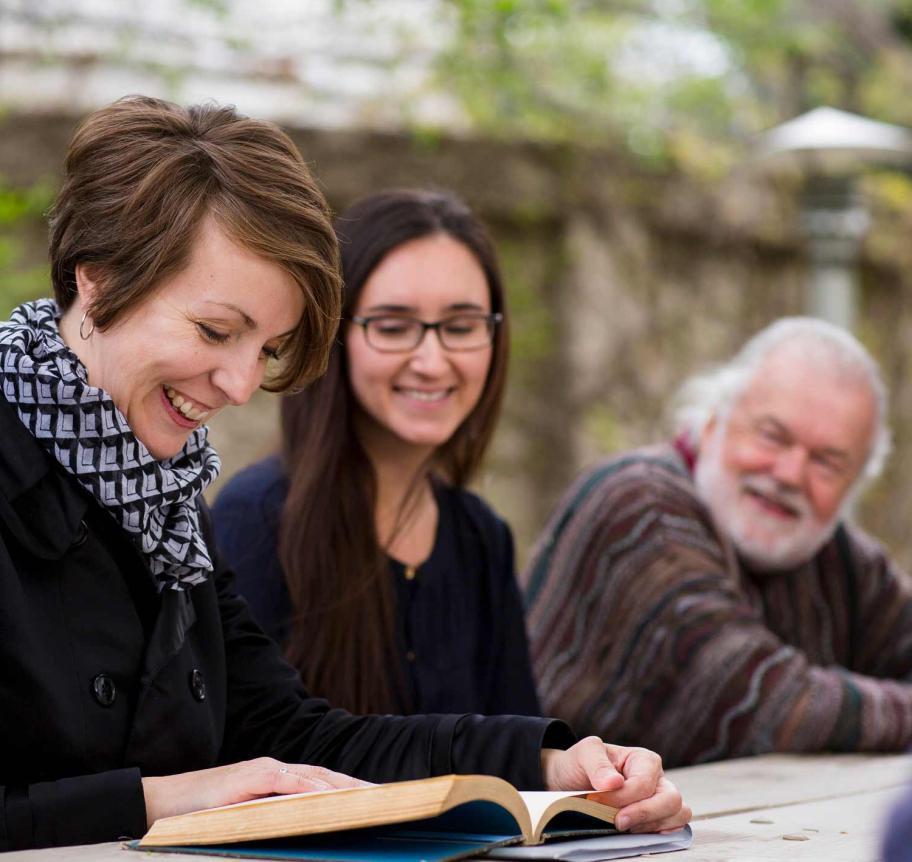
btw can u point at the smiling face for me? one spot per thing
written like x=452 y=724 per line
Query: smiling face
x=199 y=342
x=777 y=473
x=418 y=398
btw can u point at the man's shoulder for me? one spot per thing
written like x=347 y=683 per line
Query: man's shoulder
x=651 y=474
x=633 y=506
x=635 y=492
x=866 y=551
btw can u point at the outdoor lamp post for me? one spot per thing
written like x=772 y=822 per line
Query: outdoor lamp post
x=832 y=148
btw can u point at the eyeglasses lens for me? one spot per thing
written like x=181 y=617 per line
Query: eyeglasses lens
x=461 y=332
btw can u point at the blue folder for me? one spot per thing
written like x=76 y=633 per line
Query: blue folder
x=467 y=830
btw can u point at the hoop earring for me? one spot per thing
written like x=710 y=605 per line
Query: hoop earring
x=85 y=336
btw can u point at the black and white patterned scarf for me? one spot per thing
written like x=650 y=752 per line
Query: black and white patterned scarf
x=154 y=501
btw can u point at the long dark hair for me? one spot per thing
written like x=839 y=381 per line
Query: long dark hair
x=343 y=633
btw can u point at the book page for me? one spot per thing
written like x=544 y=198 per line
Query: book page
x=539 y=800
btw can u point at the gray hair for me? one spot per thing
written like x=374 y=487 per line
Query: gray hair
x=713 y=393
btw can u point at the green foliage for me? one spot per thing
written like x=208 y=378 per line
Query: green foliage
x=19 y=204
x=891 y=190
x=17 y=285
x=532 y=333
x=688 y=82
x=530 y=69
x=889 y=197
x=425 y=138
x=218 y=8
x=21 y=210
x=602 y=426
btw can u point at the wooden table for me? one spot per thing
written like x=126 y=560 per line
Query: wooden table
x=743 y=810
x=761 y=807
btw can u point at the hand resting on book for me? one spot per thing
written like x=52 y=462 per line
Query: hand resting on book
x=646 y=799
x=169 y=795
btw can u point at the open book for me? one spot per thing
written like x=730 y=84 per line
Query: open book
x=447 y=817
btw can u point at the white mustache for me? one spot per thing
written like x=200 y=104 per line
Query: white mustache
x=781 y=495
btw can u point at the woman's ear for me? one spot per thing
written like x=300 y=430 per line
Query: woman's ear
x=87 y=284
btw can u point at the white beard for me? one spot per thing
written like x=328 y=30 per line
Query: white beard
x=766 y=541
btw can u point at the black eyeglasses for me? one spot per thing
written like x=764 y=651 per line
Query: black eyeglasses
x=396 y=333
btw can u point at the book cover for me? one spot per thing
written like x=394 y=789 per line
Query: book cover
x=434 y=820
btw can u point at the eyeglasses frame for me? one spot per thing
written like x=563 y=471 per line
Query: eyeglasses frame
x=493 y=319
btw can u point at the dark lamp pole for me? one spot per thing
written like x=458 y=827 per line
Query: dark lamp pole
x=832 y=148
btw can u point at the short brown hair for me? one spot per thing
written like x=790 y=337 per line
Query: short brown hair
x=140 y=176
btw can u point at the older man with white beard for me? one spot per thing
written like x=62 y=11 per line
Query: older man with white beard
x=707 y=598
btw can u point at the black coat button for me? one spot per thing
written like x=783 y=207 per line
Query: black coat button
x=197 y=685
x=104 y=690
x=81 y=535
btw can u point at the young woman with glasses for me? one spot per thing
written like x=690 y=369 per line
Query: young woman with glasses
x=359 y=548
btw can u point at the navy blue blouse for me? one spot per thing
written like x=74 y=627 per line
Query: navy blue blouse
x=460 y=631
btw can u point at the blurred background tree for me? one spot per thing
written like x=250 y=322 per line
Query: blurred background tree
x=687 y=83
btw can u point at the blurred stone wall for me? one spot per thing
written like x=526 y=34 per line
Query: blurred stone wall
x=621 y=283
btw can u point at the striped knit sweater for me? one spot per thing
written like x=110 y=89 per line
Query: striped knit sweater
x=647 y=630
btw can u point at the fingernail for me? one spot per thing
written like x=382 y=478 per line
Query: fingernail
x=622 y=822
x=320 y=785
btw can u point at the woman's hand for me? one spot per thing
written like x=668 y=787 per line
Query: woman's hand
x=647 y=801
x=238 y=782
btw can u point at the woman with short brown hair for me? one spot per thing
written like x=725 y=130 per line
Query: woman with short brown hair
x=141 y=175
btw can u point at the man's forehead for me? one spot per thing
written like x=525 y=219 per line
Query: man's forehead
x=794 y=371
x=805 y=391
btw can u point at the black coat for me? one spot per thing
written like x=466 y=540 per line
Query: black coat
x=102 y=680
x=460 y=632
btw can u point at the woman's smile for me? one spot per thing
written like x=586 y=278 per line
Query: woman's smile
x=184 y=410
x=425 y=397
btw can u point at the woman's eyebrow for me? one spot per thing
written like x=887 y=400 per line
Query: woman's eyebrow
x=465 y=306
x=249 y=322
x=392 y=308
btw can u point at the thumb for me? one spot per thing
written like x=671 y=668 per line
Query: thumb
x=594 y=760
x=606 y=777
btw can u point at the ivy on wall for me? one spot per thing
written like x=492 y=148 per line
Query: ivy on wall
x=22 y=227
